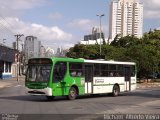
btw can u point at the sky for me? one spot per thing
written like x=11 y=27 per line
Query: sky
x=62 y=23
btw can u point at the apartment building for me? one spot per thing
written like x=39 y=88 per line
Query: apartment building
x=32 y=47
x=126 y=18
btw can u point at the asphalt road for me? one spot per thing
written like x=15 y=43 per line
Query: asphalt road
x=14 y=101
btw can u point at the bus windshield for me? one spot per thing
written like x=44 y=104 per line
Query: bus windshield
x=38 y=73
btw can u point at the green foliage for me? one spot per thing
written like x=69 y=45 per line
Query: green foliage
x=125 y=42
x=83 y=51
x=145 y=52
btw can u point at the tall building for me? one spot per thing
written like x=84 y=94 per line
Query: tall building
x=32 y=47
x=126 y=18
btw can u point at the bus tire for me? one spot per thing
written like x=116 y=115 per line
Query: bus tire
x=72 y=93
x=115 y=91
x=50 y=98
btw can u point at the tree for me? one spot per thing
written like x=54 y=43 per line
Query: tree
x=125 y=41
x=83 y=51
x=154 y=34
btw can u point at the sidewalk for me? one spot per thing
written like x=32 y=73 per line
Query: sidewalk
x=9 y=82
x=148 y=85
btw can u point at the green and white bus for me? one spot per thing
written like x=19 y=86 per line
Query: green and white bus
x=72 y=77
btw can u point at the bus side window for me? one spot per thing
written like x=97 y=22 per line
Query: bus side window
x=132 y=70
x=111 y=74
x=75 y=69
x=59 y=71
x=79 y=74
x=73 y=73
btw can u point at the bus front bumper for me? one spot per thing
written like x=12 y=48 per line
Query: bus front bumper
x=46 y=91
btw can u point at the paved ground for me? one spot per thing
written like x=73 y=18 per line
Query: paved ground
x=10 y=82
x=148 y=85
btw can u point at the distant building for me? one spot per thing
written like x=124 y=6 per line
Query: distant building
x=8 y=68
x=43 y=51
x=49 y=52
x=20 y=45
x=61 y=52
x=32 y=47
x=126 y=18
x=94 y=38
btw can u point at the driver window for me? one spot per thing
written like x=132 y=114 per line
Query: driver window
x=59 y=71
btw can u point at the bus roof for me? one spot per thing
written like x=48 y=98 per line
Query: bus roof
x=87 y=61
x=67 y=59
x=109 y=62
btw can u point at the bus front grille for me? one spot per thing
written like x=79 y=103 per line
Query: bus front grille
x=36 y=92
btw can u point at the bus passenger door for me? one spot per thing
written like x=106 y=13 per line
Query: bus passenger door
x=127 y=74
x=59 y=72
x=88 y=78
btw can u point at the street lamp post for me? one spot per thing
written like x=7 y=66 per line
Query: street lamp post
x=100 y=16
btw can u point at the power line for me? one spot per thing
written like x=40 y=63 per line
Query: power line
x=5 y=20
x=5 y=25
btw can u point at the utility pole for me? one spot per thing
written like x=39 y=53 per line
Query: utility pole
x=18 y=36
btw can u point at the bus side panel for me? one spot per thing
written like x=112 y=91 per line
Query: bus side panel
x=81 y=90
x=105 y=84
x=62 y=88
x=133 y=83
x=57 y=89
x=77 y=82
x=63 y=91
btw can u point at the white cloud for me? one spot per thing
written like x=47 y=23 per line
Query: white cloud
x=152 y=4
x=21 y=4
x=86 y=25
x=50 y=33
x=50 y=36
x=14 y=7
x=47 y=35
x=151 y=8
x=83 y=24
x=152 y=14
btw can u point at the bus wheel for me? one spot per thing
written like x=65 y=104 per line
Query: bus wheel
x=72 y=93
x=115 y=91
x=50 y=98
